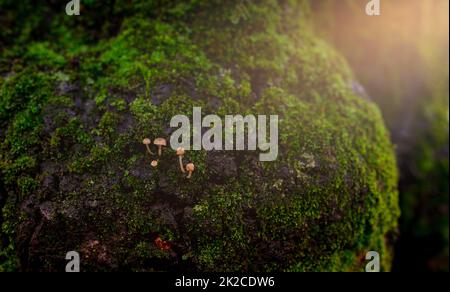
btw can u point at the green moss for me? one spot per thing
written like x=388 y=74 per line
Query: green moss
x=41 y=55
x=329 y=198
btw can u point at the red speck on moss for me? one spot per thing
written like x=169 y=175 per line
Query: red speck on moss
x=161 y=244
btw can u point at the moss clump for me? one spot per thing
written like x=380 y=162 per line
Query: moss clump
x=328 y=199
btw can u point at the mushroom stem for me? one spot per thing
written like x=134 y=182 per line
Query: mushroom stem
x=148 y=150
x=160 y=142
x=189 y=175
x=147 y=142
x=180 y=154
x=180 y=158
x=159 y=150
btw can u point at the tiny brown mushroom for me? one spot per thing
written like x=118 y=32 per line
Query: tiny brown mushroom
x=147 y=142
x=180 y=153
x=154 y=163
x=190 y=168
x=160 y=142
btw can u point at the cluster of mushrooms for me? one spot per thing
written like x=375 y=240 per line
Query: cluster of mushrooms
x=161 y=142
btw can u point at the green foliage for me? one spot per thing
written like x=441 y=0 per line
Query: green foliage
x=41 y=55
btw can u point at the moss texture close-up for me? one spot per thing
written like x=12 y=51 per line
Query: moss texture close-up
x=78 y=95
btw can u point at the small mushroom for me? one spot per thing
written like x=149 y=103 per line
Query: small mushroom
x=154 y=163
x=190 y=169
x=147 y=142
x=160 y=142
x=180 y=153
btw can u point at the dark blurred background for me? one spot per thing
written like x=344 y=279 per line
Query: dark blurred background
x=401 y=58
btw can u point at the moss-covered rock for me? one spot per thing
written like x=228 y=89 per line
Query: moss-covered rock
x=404 y=67
x=78 y=99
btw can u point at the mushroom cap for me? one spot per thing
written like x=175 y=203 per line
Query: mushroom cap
x=147 y=141
x=160 y=142
x=180 y=151
x=190 y=167
x=154 y=163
